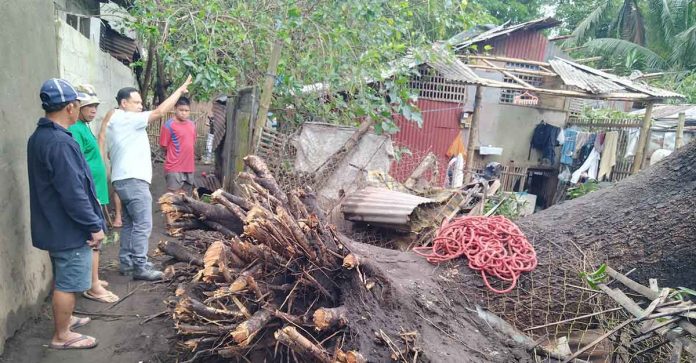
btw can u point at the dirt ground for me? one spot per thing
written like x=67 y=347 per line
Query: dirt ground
x=123 y=334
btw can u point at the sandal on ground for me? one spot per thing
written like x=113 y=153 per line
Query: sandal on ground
x=70 y=344
x=107 y=298
x=79 y=322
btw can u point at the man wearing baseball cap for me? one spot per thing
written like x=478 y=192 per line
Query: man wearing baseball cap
x=66 y=219
x=90 y=149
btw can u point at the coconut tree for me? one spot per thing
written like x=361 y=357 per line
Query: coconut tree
x=661 y=32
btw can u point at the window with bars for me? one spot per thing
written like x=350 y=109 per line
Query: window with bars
x=507 y=96
x=433 y=86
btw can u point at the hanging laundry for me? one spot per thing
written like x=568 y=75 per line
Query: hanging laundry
x=456 y=148
x=560 y=140
x=590 y=166
x=580 y=141
x=544 y=139
x=632 y=144
x=585 y=150
x=611 y=142
x=599 y=142
x=568 y=149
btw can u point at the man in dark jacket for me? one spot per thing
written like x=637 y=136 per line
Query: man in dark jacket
x=66 y=218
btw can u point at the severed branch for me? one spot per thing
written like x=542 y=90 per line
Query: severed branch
x=328 y=318
x=290 y=337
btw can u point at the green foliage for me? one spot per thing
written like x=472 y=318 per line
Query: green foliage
x=682 y=82
x=596 y=277
x=515 y=11
x=582 y=189
x=606 y=113
x=510 y=207
x=682 y=293
x=399 y=153
x=225 y=44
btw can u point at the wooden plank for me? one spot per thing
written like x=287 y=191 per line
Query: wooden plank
x=675 y=356
x=507 y=59
x=515 y=70
x=641 y=289
x=679 y=142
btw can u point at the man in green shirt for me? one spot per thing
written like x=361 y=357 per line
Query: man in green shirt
x=90 y=149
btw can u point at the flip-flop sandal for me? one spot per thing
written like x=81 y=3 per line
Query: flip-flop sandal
x=80 y=322
x=69 y=344
x=108 y=298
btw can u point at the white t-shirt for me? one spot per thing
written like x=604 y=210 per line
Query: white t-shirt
x=129 y=146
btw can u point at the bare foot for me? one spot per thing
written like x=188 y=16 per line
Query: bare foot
x=73 y=340
x=117 y=223
x=104 y=283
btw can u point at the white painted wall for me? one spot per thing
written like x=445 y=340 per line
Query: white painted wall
x=81 y=61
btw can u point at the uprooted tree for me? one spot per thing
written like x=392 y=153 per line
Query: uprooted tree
x=291 y=279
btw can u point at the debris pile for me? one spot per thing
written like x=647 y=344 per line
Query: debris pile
x=270 y=284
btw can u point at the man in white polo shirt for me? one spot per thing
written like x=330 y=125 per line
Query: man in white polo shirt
x=131 y=174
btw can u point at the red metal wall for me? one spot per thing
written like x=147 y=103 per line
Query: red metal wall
x=440 y=127
x=528 y=45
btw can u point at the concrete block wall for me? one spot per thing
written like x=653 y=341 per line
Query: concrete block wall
x=28 y=55
x=82 y=61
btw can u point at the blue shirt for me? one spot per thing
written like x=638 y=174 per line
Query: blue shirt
x=62 y=198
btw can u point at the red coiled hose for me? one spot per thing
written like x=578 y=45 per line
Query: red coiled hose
x=493 y=245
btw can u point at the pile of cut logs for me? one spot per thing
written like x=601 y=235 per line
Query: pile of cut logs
x=270 y=280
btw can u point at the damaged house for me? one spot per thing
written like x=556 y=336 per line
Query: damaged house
x=505 y=82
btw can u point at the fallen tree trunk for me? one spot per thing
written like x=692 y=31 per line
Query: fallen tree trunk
x=646 y=221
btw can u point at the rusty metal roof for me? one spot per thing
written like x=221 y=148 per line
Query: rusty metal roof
x=464 y=39
x=448 y=65
x=598 y=82
x=669 y=112
x=382 y=207
x=585 y=81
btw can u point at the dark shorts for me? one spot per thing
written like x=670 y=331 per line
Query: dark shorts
x=72 y=269
x=176 y=181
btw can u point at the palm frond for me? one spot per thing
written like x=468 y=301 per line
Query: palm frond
x=684 y=49
x=622 y=48
x=585 y=27
x=663 y=17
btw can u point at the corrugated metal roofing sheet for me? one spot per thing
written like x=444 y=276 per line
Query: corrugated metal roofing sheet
x=527 y=44
x=669 y=112
x=382 y=207
x=440 y=128
x=447 y=64
x=219 y=121
x=119 y=46
x=452 y=68
x=461 y=41
x=588 y=76
x=585 y=81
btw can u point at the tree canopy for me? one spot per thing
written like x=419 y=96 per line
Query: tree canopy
x=646 y=35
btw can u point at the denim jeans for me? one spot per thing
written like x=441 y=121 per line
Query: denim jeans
x=137 y=222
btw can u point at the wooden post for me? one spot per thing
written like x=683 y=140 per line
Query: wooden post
x=473 y=135
x=679 y=141
x=239 y=117
x=643 y=139
x=267 y=92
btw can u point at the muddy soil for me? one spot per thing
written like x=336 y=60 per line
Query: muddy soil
x=123 y=334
